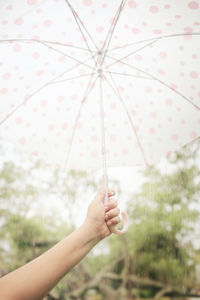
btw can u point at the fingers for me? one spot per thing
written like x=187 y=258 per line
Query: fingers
x=111 y=193
x=112 y=213
x=101 y=193
x=112 y=203
x=114 y=221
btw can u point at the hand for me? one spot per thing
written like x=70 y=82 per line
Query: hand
x=100 y=217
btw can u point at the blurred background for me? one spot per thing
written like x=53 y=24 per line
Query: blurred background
x=159 y=256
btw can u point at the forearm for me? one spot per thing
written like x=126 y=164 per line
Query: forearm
x=34 y=280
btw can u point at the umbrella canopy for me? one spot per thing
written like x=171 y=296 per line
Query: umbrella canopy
x=79 y=75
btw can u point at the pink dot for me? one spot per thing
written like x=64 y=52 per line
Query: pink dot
x=17 y=48
x=138 y=57
x=43 y=103
x=148 y=89
x=193 y=134
x=19 y=21
x=153 y=115
x=157 y=31
x=94 y=153
x=35 y=55
x=74 y=97
x=3 y=91
x=60 y=99
x=194 y=75
x=125 y=151
x=87 y=2
x=136 y=30
x=169 y=102
x=9 y=7
x=188 y=30
x=154 y=9
x=174 y=86
x=99 y=29
x=35 y=153
x=133 y=112
x=161 y=72
x=40 y=73
x=113 y=105
x=174 y=137
x=152 y=131
x=181 y=48
x=31 y=2
x=22 y=141
x=193 y=5
x=94 y=138
x=18 y=121
x=62 y=59
x=194 y=56
x=163 y=55
x=4 y=22
x=132 y=4
x=64 y=126
x=51 y=127
x=6 y=76
x=47 y=23
x=113 y=137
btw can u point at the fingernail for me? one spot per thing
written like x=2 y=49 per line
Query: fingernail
x=106 y=217
x=106 y=208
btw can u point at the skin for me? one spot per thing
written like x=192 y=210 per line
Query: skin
x=35 y=280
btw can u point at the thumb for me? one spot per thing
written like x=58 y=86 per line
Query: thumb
x=102 y=193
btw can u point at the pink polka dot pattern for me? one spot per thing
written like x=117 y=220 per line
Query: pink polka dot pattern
x=154 y=9
x=193 y=5
x=150 y=73
x=132 y=4
x=87 y=2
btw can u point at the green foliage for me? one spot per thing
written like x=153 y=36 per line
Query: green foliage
x=164 y=214
x=159 y=241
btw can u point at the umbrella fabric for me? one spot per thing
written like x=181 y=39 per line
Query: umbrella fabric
x=66 y=64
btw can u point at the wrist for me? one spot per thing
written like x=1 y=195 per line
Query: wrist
x=92 y=235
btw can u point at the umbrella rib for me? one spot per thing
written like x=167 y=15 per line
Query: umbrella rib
x=82 y=23
x=130 y=75
x=111 y=30
x=34 y=93
x=77 y=77
x=158 y=39
x=75 y=14
x=135 y=51
x=56 y=50
x=161 y=82
x=42 y=41
x=118 y=94
x=87 y=91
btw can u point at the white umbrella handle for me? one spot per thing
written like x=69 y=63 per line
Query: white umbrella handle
x=124 y=215
x=125 y=218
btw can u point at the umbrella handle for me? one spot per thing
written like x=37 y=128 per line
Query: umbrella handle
x=125 y=218
x=124 y=215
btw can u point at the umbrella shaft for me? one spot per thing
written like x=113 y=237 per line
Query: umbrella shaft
x=103 y=141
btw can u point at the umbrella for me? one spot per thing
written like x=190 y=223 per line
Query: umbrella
x=85 y=84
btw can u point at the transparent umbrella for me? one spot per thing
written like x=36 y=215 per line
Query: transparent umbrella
x=89 y=84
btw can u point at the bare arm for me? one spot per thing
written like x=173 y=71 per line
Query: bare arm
x=34 y=280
